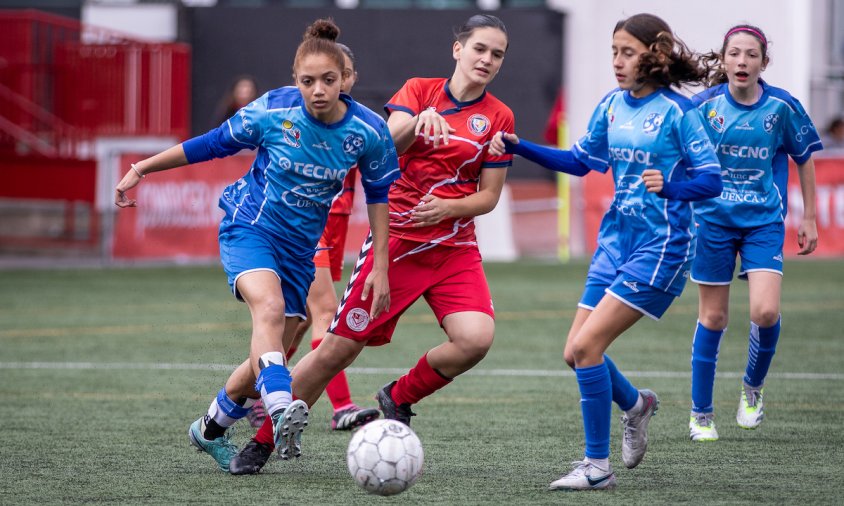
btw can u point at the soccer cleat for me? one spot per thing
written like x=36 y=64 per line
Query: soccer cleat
x=221 y=449
x=635 y=442
x=750 y=409
x=251 y=459
x=585 y=476
x=287 y=429
x=257 y=414
x=353 y=417
x=391 y=410
x=702 y=427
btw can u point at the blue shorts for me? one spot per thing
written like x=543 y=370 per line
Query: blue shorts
x=642 y=297
x=760 y=249
x=245 y=248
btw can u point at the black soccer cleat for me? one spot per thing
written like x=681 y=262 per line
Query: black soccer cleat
x=251 y=459
x=391 y=410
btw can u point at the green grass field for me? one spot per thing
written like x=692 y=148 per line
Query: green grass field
x=102 y=371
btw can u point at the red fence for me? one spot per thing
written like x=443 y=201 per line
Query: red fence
x=63 y=83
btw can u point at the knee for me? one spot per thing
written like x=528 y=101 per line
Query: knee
x=582 y=351
x=568 y=356
x=476 y=345
x=269 y=310
x=765 y=316
x=714 y=319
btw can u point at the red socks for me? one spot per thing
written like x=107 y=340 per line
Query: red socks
x=418 y=383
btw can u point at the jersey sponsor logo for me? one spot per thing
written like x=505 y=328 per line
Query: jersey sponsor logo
x=307 y=195
x=716 y=121
x=478 y=124
x=628 y=184
x=778 y=258
x=357 y=319
x=742 y=176
x=290 y=134
x=746 y=197
x=314 y=171
x=652 y=123
x=285 y=163
x=630 y=208
x=744 y=126
x=770 y=121
x=699 y=145
x=736 y=151
x=630 y=155
x=322 y=145
x=627 y=125
x=804 y=130
x=353 y=144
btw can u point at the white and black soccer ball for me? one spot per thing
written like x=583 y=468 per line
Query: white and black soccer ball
x=385 y=457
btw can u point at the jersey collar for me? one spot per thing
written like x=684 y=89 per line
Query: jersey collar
x=759 y=103
x=639 y=102
x=458 y=104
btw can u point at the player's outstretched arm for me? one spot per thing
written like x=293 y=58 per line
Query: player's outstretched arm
x=167 y=159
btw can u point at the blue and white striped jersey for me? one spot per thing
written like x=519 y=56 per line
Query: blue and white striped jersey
x=753 y=143
x=300 y=164
x=649 y=237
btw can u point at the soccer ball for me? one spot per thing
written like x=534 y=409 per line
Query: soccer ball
x=385 y=457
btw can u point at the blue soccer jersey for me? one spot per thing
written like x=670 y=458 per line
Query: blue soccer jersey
x=753 y=143
x=300 y=164
x=647 y=236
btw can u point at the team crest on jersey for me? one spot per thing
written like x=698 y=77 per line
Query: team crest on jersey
x=290 y=134
x=357 y=319
x=652 y=123
x=478 y=124
x=715 y=121
x=353 y=144
x=770 y=121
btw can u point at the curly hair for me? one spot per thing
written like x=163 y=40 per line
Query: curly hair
x=668 y=60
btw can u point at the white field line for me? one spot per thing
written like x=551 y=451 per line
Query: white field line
x=150 y=366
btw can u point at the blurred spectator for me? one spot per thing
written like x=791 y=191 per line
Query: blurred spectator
x=833 y=138
x=243 y=90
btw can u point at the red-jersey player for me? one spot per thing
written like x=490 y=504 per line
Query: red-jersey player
x=441 y=129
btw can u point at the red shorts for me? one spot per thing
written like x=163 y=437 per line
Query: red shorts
x=451 y=279
x=334 y=239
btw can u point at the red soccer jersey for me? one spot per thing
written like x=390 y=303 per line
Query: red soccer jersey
x=344 y=200
x=448 y=172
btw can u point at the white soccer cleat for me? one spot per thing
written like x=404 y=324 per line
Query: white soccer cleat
x=702 y=427
x=750 y=409
x=635 y=441
x=585 y=476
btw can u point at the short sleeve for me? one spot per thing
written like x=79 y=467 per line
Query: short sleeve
x=408 y=99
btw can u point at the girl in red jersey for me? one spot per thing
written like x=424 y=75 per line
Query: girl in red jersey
x=442 y=129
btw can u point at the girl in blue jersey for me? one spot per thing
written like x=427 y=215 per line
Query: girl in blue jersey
x=652 y=138
x=755 y=128
x=307 y=137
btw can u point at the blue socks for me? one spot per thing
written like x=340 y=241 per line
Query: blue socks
x=623 y=392
x=763 y=345
x=705 y=347
x=596 y=406
x=274 y=382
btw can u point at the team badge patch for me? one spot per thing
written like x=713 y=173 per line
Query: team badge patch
x=715 y=121
x=652 y=123
x=357 y=319
x=291 y=134
x=353 y=144
x=478 y=124
x=770 y=121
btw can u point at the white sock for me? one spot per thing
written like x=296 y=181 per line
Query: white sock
x=637 y=408
x=602 y=464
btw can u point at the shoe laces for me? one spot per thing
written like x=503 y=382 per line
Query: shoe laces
x=751 y=395
x=703 y=420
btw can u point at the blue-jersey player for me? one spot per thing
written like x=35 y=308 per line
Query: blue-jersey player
x=306 y=137
x=755 y=127
x=661 y=159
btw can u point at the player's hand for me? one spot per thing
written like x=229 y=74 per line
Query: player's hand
x=654 y=180
x=129 y=181
x=430 y=211
x=378 y=283
x=496 y=145
x=432 y=126
x=807 y=237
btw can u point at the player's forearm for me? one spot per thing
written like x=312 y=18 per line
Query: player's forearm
x=806 y=173
x=167 y=159
x=473 y=205
x=402 y=129
x=379 y=224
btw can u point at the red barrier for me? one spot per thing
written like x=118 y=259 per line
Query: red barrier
x=177 y=215
x=598 y=191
